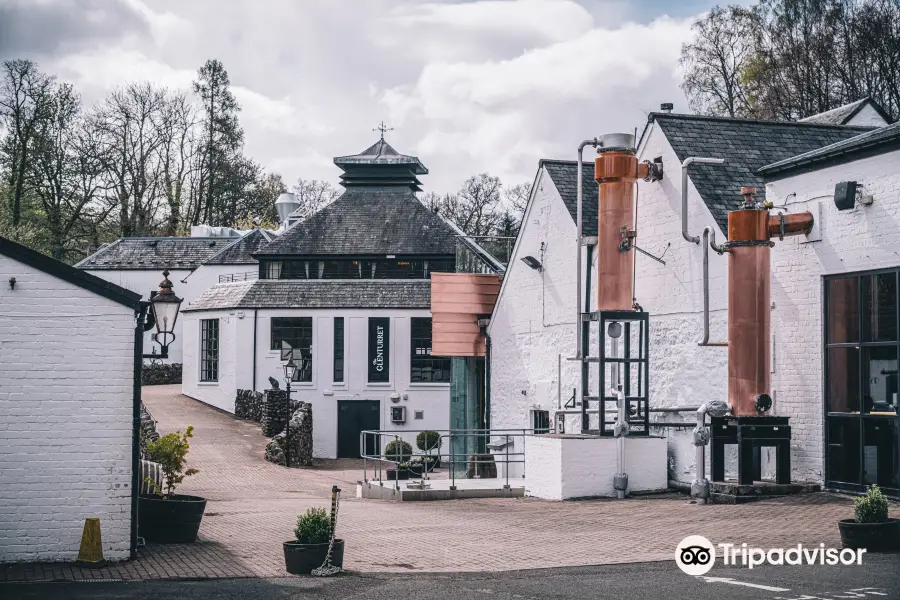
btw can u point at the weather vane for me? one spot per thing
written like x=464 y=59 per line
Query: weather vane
x=382 y=128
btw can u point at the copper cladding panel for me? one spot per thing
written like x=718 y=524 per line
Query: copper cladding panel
x=615 y=173
x=457 y=302
x=749 y=312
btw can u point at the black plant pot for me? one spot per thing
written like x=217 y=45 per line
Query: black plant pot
x=301 y=559
x=414 y=470
x=874 y=537
x=397 y=475
x=174 y=520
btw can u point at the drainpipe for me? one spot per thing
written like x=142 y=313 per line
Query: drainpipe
x=255 y=311
x=709 y=235
x=684 y=192
x=620 y=429
x=487 y=376
x=700 y=485
x=141 y=315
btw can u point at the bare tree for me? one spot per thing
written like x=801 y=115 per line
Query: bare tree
x=177 y=126
x=475 y=209
x=313 y=195
x=716 y=62
x=25 y=99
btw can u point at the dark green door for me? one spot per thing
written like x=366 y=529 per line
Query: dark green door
x=354 y=417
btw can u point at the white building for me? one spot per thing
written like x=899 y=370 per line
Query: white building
x=69 y=392
x=349 y=290
x=533 y=325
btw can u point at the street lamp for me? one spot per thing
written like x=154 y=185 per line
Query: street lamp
x=290 y=369
x=164 y=306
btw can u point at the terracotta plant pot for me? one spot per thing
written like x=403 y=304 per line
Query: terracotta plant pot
x=874 y=537
x=301 y=559
x=172 y=520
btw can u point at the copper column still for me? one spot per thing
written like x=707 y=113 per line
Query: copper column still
x=616 y=171
x=750 y=231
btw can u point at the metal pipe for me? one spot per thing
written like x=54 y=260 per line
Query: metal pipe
x=700 y=485
x=578 y=240
x=684 y=192
x=707 y=232
x=675 y=409
x=620 y=479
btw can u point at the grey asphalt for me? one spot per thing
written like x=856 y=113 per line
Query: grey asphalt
x=877 y=578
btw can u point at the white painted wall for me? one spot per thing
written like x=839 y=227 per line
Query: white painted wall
x=236 y=369
x=188 y=286
x=867 y=117
x=859 y=239
x=66 y=395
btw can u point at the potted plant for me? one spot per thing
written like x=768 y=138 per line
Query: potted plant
x=413 y=468
x=310 y=548
x=398 y=452
x=164 y=516
x=426 y=441
x=872 y=529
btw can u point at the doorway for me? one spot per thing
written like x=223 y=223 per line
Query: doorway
x=354 y=417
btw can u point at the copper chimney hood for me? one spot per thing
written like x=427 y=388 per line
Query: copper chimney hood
x=750 y=233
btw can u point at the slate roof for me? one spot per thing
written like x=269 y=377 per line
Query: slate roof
x=382 y=153
x=872 y=142
x=368 y=221
x=240 y=251
x=842 y=114
x=746 y=146
x=316 y=293
x=154 y=253
x=564 y=174
x=68 y=273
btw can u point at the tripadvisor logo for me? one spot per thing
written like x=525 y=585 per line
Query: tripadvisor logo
x=696 y=555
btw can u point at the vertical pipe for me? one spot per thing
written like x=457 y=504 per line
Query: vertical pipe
x=255 y=311
x=136 y=424
x=579 y=176
x=684 y=192
x=585 y=344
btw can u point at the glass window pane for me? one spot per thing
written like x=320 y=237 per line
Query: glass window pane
x=880 y=381
x=843 y=310
x=843 y=449
x=842 y=384
x=880 y=305
x=880 y=455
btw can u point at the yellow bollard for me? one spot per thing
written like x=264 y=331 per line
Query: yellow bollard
x=91 y=552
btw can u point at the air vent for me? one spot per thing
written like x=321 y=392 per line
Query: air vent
x=152 y=243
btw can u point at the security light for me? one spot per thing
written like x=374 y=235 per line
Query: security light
x=533 y=263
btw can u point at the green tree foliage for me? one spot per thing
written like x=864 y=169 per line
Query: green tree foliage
x=313 y=527
x=789 y=59
x=170 y=451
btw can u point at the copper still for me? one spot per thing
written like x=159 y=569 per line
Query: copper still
x=616 y=170
x=750 y=233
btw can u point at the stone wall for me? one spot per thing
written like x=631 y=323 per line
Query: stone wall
x=157 y=373
x=148 y=429
x=275 y=413
x=249 y=405
x=301 y=440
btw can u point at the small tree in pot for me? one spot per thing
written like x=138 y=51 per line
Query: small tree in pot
x=398 y=452
x=872 y=529
x=426 y=441
x=165 y=516
x=310 y=548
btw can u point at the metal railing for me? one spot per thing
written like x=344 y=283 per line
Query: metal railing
x=232 y=277
x=466 y=448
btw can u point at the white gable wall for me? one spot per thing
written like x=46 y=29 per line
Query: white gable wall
x=66 y=398
x=867 y=117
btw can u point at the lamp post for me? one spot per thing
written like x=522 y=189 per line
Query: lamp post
x=290 y=369
x=164 y=307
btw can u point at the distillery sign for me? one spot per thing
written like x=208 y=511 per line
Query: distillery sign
x=379 y=349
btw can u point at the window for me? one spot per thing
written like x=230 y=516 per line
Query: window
x=862 y=384
x=339 y=349
x=424 y=367
x=209 y=350
x=296 y=331
x=540 y=421
x=273 y=269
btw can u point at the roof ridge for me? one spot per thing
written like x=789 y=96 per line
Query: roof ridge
x=102 y=248
x=686 y=116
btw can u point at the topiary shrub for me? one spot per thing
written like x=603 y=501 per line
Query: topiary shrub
x=398 y=450
x=427 y=441
x=314 y=527
x=170 y=451
x=871 y=508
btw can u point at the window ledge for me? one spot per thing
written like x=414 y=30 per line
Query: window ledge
x=426 y=385
x=208 y=383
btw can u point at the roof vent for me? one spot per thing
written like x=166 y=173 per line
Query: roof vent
x=666 y=107
x=211 y=244
x=152 y=243
x=285 y=205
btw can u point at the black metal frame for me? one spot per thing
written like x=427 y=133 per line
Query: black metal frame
x=637 y=399
x=425 y=362
x=338 y=350
x=303 y=353
x=861 y=417
x=204 y=369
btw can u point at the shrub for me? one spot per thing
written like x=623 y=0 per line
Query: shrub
x=427 y=441
x=314 y=527
x=398 y=450
x=170 y=452
x=871 y=508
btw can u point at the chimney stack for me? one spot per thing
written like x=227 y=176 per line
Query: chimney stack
x=666 y=107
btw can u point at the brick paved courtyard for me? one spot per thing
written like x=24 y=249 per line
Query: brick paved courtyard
x=253 y=504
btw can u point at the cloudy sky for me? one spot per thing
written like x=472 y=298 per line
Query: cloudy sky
x=469 y=86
